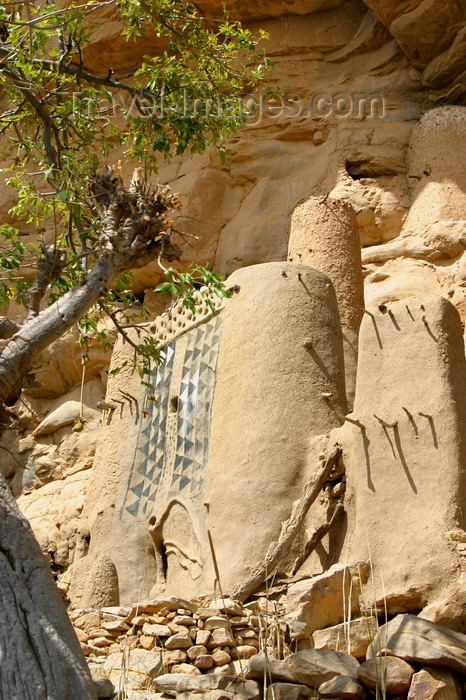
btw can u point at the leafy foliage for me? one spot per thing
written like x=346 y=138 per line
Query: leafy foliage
x=63 y=120
x=181 y=284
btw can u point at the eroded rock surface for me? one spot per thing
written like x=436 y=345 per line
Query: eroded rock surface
x=422 y=641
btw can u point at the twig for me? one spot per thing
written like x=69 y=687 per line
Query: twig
x=385 y=424
x=105 y=405
x=118 y=326
x=12 y=455
x=349 y=420
x=128 y=396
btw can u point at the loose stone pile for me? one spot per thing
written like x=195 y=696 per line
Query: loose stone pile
x=220 y=650
x=191 y=636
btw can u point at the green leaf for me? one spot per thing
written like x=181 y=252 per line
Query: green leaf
x=162 y=287
x=150 y=122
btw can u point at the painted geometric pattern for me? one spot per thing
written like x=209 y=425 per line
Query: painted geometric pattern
x=157 y=468
x=148 y=459
x=194 y=409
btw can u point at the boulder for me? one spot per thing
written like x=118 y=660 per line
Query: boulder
x=202 y=637
x=220 y=637
x=167 y=683
x=182 y=640
x=434 y=684
x=226 y=605
x=287 y=691
x=318 y=601
x=184 y=621
x=276 y=669
x=154 y=606
x=88 y=620
x=422 y=641
x=204 y=684
x=204 y=613
x=147 y=642
x=360 y=631
x=449 y=612
x=342 y=687
x=213 y=695
x=216 y=621
x=174 y=656
x=65 y=414
x=196 y=651
x=118 y=610
x=156 y=630
x=315 y=666
x=311 y=667
x=139 y=667
x=115 y=626
x=388 y=674
x=204 y=661
x=244 y=651
x=221 y=657
x=186 y=669
x=225 y=670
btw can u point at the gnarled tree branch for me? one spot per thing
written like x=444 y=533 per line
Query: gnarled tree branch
x=135 y=225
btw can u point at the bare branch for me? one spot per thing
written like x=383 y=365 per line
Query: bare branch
x=118 y=326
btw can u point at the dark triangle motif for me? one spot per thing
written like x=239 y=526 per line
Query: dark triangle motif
x=148 y=456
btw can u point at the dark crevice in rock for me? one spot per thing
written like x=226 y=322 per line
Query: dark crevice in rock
x=358 y=170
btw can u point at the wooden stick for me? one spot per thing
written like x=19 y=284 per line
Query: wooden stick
x=317 y=536
x=349 y=420
x=105 y=405
x=385 y=423
x=290 y=529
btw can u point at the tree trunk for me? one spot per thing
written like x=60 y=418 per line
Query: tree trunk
x=40 y=656
x=35 y=335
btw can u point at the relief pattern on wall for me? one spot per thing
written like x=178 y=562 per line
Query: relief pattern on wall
x=173 y=441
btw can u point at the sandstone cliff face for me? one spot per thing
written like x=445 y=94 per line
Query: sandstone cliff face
x=398 y=173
